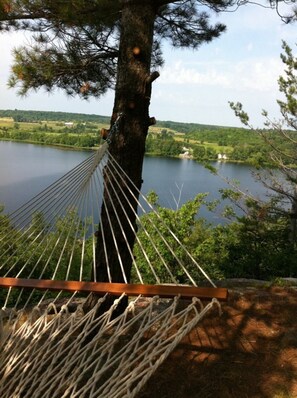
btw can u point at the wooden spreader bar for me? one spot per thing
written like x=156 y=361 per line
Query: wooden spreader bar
x=117 y=289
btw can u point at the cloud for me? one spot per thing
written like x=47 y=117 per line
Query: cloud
x=249 y=47
x=258 y=75
x=253 y=74
x=180 y=73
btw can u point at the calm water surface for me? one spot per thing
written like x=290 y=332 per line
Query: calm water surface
x=27 y=169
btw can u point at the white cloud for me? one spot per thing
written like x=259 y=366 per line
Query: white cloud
x=258 y=74
x=254 y=74
x=179 y=73
x=250 y=47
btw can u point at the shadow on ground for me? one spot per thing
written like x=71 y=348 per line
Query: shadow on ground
x=248 y=352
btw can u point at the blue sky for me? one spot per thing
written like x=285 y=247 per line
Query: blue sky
x=194 y=86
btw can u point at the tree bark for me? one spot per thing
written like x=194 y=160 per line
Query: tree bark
x=117 y=229
x=293 y=219
x=127 y=146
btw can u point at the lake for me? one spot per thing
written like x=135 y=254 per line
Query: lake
x=27 y=169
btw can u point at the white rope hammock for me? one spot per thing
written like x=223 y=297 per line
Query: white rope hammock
x=45 y=344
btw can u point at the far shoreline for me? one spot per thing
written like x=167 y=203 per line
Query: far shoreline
x=150 y=154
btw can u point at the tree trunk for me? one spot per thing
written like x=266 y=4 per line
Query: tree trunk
x=293 y=218
x=127 y=146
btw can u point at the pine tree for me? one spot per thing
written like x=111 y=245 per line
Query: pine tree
x=86 y=47
x=283 y=183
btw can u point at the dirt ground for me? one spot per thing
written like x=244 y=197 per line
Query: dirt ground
x=248 y=352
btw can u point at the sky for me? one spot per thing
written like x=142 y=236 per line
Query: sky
x=194 y=86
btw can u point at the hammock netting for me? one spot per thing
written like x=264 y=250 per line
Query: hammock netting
x=50 y=345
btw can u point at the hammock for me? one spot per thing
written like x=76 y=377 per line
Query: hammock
x=50 y=346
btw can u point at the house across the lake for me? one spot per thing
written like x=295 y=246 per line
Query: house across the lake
x=186 y=153
x=222 y=156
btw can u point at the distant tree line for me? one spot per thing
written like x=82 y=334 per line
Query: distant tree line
x=37 y=116
x=225 y=136
x=187 y=127
x=163 y=144
x=240 y=144
x=41 y=137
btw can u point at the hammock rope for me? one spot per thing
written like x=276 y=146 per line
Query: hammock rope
x=47 y=255
x=52 y=355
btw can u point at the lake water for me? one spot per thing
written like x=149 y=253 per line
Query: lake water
x=27 y=169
